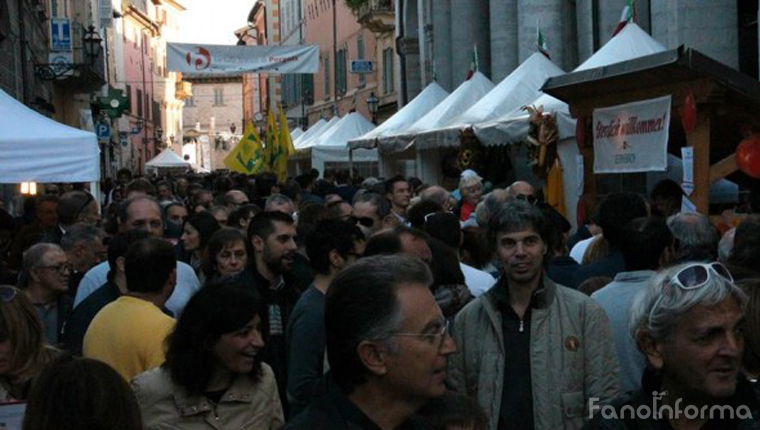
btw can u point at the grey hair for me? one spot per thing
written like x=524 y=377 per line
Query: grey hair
x=693 y=231
x=35 y=257
x=435 y=194
x=379 y=201
x=80 y=232
x=277 y=199
x=726 y=245
x=659 y=307
x=490 y=205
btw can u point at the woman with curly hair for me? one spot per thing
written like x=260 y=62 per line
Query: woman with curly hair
x=213 y=371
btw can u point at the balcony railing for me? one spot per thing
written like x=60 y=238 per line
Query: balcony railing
x=377 y=15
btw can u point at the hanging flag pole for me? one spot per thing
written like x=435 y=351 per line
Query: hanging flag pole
x=628 y=15
x=474 y=63
x=541 y=41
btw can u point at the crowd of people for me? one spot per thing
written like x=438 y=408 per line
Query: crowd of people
x=233 y=302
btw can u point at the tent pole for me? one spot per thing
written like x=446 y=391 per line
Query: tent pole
x=351 y=163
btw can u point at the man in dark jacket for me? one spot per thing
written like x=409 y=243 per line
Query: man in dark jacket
x=387 y=345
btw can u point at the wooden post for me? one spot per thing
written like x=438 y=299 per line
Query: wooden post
x=699 y=139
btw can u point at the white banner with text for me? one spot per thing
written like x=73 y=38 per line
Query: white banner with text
x=198 y=59
x=632 y=137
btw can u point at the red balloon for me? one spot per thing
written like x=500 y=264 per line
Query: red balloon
x=748 y=156
x=689 y=113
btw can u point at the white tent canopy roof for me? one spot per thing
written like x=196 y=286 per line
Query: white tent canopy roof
x=36 y=148
x=430 y=97
x=332 y=146
x=513 y=92
x=461 y=99
x=296 y=133
x=167 y=158
x=311 y=140
x=632 y=42
x=313 y=130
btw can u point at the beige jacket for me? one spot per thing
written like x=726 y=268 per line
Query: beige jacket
x=245 y=405
x=572 y=356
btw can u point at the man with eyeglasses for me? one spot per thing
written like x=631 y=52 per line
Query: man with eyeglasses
x=332 y=247
x=522 y=190
x=688 y=323
x=533 y=351
x=142 y=213
x=387 y=345
x=45 y=279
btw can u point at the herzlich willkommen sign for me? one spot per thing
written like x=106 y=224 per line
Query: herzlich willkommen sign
x=632 y=137
x=232 y=59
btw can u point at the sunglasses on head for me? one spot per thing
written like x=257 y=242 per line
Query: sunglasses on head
x=699 y=274
x=363 y=220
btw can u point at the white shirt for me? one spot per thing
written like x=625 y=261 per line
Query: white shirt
x=580 y=248
x=477 y=281
x=187 y=285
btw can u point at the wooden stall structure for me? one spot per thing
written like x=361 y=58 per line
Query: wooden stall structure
x=725 y=103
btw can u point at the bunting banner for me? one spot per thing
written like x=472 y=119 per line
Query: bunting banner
x=632 y=137
x=248 y=155
x=200 y=59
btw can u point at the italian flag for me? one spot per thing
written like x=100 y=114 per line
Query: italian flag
x=628 y=15
x=474 y=63
x=541 y=42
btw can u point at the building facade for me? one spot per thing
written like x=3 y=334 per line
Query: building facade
x=437 y=37
x=215 y=114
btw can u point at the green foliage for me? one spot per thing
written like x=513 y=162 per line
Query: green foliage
x=355 y=5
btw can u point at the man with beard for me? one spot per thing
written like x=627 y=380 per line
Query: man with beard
x=272 y=236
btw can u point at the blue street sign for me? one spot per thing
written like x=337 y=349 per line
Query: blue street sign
x=60 y=34
x=103 y=131
x=361 y=66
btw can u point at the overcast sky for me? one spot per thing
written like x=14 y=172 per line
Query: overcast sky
x=213 y=21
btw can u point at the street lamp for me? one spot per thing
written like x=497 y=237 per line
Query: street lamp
x=91 y=44
x=91 y=50
x=372 y=103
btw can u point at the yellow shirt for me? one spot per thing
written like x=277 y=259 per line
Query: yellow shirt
x=128 y=335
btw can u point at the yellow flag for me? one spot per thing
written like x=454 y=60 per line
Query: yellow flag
x=285 y=139
x=272 y=146
x=248 y=155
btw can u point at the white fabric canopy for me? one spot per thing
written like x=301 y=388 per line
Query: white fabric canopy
x=167 y=159
x=36 y=148
x=513 y=92
x=296 y=133
x=332 y=146
x=430 y=97
x=307 y=142
x=309 y=133
x=632 y=42
x=461 y=99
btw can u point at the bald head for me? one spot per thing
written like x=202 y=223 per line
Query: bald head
x=520 y=188
x=235 y=198
x=436 y=194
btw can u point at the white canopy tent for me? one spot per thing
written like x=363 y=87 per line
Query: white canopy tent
x=514 y=91
x=314 y=129
x=631 y=42
x=295 y=134
x=308 y=141
x=332 y=146
x=461 y=99
x=36 y=148
x=430 y=97
x=167 y=159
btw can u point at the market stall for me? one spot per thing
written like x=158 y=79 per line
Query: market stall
x=634 y=114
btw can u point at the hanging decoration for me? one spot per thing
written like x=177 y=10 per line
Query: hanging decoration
x=542 y=139
x=470 y=154
x=689 y=113
x=748 y=155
